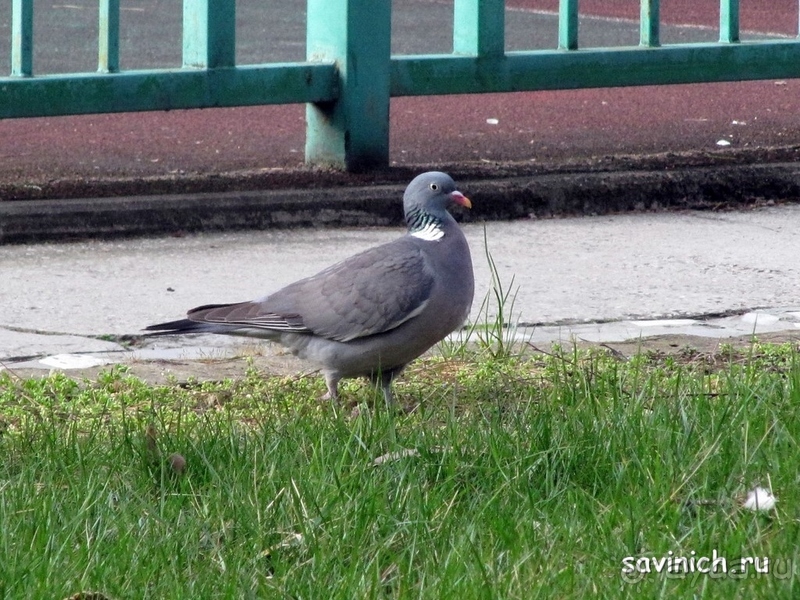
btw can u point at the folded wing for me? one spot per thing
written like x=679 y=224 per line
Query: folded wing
x=367 y=294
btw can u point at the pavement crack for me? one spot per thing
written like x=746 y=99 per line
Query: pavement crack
x=40 y=331
x=703 y=316
x=17 y=359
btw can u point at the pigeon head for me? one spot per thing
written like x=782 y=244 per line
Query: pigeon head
x=426 y=201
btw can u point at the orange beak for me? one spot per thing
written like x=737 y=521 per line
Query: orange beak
x=460 y=199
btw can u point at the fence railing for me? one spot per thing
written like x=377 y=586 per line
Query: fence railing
x=350 y=75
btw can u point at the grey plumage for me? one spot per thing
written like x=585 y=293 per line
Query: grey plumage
x=373 y=313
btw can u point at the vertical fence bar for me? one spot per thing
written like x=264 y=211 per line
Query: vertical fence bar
x=108 y=40
x=22 y=38
x=568 y=24
x=649 y=26
x=729 y=21
x=353 y=131
x=209 y=33
x=479 y=27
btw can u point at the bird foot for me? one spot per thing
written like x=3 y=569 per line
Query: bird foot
x=327 y=397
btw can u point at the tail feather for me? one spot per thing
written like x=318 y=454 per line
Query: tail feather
x=181 y=326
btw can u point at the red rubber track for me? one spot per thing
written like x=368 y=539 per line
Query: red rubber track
x=541 y=126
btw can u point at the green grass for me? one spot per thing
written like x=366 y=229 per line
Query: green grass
x=515 y=477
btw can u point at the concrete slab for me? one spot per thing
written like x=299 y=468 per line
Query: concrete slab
x=687 y=275
x=605 y=279
x=18 y=345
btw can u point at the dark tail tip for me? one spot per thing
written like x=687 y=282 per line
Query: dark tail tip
x=176 y=327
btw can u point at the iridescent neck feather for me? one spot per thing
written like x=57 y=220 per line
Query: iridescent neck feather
x=424 y=225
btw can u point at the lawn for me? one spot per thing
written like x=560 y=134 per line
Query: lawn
x=514 y=475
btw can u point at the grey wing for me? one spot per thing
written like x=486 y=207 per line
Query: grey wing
x=369 y=293
x=251 y=315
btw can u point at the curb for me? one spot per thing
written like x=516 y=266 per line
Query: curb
x=502 y=197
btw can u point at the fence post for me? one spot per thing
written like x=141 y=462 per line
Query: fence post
x=22 y=38
x=729 y=21
x=108 y=44
x=479 y=27
x=649 y=24
x=209 y=33
x=352 y=131
x=568 y=24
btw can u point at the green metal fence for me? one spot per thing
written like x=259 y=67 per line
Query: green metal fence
x=350 y=75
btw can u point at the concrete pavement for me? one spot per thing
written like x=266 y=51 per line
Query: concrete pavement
x=701 y=274
x=604 y=278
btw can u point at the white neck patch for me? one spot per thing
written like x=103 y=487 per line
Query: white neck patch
x=431 y=232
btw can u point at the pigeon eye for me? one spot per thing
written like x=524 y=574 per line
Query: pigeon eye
x=434 y=186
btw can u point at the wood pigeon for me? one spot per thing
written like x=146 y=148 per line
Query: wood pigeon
x=373 y=313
